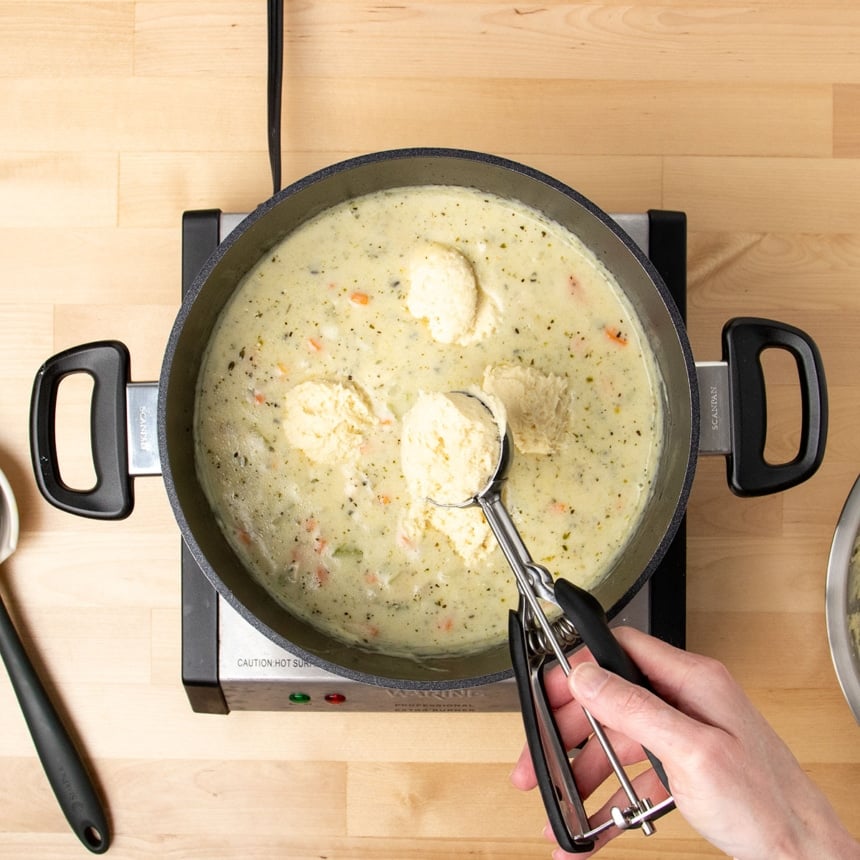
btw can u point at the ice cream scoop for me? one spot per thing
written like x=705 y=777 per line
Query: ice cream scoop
x=533 y=639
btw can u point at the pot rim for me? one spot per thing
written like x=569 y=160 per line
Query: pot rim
x=843 y=648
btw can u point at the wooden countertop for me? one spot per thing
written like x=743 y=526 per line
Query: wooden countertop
x=117 y=116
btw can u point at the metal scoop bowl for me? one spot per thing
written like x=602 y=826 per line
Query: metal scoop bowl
x=533 y=580
x=62 y=763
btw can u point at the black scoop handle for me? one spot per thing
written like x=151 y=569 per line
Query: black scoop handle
x=62 y=763
x=548 y=752
x=108 y=363
x=590 y=621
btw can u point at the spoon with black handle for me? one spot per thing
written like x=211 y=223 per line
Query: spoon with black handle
x=62 y=763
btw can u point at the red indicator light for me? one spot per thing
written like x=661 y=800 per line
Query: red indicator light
x=335 y=698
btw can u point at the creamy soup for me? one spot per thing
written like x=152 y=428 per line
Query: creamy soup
x=359 y=319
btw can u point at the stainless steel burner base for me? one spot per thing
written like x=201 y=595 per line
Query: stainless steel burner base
x=256 y=674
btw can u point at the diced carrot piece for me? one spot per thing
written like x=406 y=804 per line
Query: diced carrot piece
x=616 y=335
x=358 y=298
x=315 y=344
x=405 y=541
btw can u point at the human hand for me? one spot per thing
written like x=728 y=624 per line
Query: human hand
x=733 y=779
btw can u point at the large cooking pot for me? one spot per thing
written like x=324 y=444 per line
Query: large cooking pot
x=126 y=416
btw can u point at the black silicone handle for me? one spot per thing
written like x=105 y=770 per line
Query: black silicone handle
x=63 y=766
x=552 y=793
x=108 y=363
x=744 y=340
x=590 y=621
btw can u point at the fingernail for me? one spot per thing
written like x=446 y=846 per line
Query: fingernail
x=587 y=679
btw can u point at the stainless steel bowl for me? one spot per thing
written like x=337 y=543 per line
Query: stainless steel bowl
x=843 y=600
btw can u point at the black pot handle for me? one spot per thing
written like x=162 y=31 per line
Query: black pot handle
x=108 y=363
x=744 y=340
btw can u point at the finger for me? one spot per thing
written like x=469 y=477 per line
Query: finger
x=699 y=686
x=634 y=711
x=555 y=680
x=668 y=668
x=523 y=775
x=645 y=785
x=591 y=767
x=589 y=763
x=574 y=729
x=599 y=842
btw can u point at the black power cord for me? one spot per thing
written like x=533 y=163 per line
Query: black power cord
x=274 y=87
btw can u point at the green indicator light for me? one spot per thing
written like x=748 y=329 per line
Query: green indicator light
x=299 y=698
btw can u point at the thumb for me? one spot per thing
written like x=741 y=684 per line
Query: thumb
x=631 y=710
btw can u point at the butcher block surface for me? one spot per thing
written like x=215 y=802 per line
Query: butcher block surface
x=115 y=117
